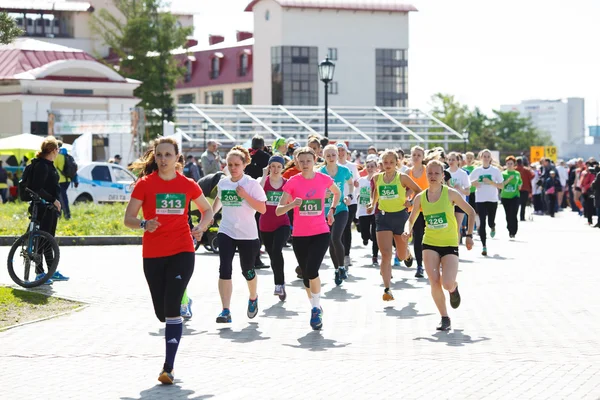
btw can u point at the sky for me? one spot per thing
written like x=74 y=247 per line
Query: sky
x=484 y=52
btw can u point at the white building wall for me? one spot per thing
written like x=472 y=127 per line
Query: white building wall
x=576 y=119
x=267 y=33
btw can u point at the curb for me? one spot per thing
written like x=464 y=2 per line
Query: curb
x=84 y=240
x=6 y=328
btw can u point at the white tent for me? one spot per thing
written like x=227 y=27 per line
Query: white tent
x=24 y=144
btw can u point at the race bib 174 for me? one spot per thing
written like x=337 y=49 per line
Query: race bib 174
x=170 y=203
x=273 y=198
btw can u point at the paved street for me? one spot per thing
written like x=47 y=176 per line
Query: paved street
x=527 y=328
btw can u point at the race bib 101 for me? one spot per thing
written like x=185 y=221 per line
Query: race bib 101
x=170 y=203
x=311 y=208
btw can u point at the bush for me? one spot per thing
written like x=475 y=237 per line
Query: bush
x=87 y=219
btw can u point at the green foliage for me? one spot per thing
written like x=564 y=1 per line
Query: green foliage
x=142 y=38
x=8 y=29
x=506 y=132
x=87 y=219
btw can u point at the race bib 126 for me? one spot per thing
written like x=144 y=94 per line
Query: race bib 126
x=230 y=198
x=311 y=208
x=170 y=203
x=436 y=221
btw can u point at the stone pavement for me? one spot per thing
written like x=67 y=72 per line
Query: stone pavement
x=527 y=328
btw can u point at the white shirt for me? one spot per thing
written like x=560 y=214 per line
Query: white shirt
x=486 y=192
x=238 y=217
x=364 y=184
x=460 y=179
x=355 y=176
x=563 y=175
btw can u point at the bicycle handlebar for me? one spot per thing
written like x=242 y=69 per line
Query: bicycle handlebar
x=37 y=199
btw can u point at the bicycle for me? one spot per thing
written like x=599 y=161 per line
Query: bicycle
x=32 y=248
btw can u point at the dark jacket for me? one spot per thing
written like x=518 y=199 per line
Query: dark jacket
x=550 y=182
x=596 y=190
x=259 y=160
x=45 y=179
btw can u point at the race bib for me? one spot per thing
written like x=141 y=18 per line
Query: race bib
x=230 y=198
x=170 y=203
x=328 y=199
x=482 y=177
x=364 y=196
x=436 y=221
x=388 y=192
x=273 y=198
x=311 y=208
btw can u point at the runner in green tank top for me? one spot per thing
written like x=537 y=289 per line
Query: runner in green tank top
x=440 y=243
x=390 y=197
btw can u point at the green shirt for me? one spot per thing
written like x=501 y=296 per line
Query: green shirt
x=511 y=189
x=469 y=169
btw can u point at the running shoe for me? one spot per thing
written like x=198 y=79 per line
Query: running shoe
x=365 y=242
x=166 y=378
x=484 y=251
x=224 y=317
x=40 y=276
x=252 y=308
x=444 y=324
x=375 y=263
x=396 y=261
x=419 y=273
x=261 y=265
x=455 y=298
x=185 y=310
x=280 y=291
x=299 y=272
x=493 y=233
x=57 y=276
x=409 y=261
x=387 y=295
x=316 y=318
x=347 y=261
x=343 y=273
x=338 y=277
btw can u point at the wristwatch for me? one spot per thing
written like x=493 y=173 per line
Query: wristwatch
x=143 y=224
x=333 y=209
x=469 y=235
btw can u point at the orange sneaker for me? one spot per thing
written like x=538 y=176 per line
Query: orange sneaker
x=387 y=295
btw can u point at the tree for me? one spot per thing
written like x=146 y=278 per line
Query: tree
x=8 y=29
x=142 y=39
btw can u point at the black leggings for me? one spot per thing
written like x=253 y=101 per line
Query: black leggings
x=336 y=246
x=167 y=279
x=48 y=220
x=368 y=231
x=274 y=242
x=347 y=236
x=523 y=199
x=511 y=208
x=486 y=209
x=309 y=251
x=247 y=249
x=418 y=233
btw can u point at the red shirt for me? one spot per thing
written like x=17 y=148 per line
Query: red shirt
x=269 y=221
x=291 y=172
x=169 y=201
x=526 y=177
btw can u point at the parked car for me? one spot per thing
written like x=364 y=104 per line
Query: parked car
x=102 y=182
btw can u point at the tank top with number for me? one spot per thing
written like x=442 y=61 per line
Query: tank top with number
x=391 y=195
x=269 y=221
x=441 y=228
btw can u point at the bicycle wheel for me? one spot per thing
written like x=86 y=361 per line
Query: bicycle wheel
x=31 y=255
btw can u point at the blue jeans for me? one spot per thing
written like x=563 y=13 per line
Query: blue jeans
x=4 y=195
x=64 y=200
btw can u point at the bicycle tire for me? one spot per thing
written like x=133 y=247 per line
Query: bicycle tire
x=17 y=246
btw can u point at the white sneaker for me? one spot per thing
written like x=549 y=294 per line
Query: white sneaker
x=347 y=261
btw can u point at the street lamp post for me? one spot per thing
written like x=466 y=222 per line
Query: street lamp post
x=204 y=128
x=466 y=139
x=326 y=69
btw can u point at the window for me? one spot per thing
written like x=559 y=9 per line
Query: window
x=214 y=67
x=188 y=98
x=391 y=77
x=299 y=55
x=332 y=53
x=243 y=65
x=101 y=173
x=121 y=175
x=242 y=96
x=188 y=70
x=79 y=92
x=214 y=97
x=333 y=88
x=294 y=75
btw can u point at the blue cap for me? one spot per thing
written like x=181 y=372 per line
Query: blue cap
x=277 y=158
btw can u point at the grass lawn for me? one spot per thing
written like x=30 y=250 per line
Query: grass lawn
x=19 y=306
x=87 y=219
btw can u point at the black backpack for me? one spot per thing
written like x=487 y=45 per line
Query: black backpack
x=70 y=167
x=25 y=181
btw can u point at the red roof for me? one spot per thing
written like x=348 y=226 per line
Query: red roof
x=352 y=5
x=26 y=54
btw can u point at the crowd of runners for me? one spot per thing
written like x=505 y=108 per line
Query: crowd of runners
x=313 y=197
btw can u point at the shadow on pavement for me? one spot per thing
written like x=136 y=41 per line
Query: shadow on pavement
x=247 y=335
x=279 y=312
x=186 y=331
x=408 y=312
x=456 y=338
x=314 y=341
x=168 y=392
x=341 y=294
x=402 y=284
